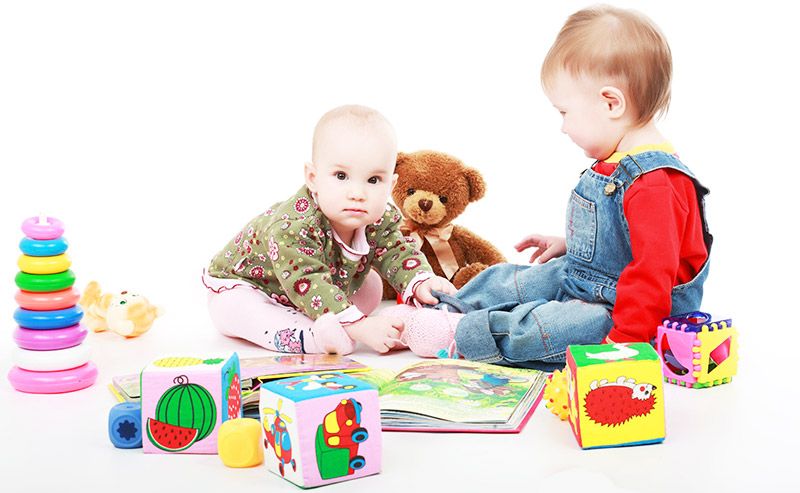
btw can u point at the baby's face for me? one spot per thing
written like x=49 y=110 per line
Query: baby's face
x=585 y=113
x=353 y=177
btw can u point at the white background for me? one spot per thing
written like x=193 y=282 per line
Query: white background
x=155 y=129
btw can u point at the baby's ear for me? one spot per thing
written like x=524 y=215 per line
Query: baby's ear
x=477 y=187
x=310 y=174
x=614 y=99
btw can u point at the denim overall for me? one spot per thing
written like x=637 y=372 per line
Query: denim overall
x=527 y=315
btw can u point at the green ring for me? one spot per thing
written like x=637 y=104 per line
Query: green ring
x=44 y=283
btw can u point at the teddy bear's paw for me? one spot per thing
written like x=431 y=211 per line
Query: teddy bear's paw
x=466 y=273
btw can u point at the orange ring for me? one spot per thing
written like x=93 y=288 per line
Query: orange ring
x=53 y=300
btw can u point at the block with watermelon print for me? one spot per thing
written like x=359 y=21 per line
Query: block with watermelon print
x=615 y=394
x=185 y=400
x=320 y=429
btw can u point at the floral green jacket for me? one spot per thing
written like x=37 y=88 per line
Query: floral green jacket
x=291 y=253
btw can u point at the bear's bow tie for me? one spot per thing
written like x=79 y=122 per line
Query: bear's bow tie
x=439 y=240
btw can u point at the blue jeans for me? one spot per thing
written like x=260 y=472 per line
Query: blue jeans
x=527 y=315
x=518 y=315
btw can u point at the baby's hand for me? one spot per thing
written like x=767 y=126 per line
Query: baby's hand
x=547 y=247
x=423 y=292
x=380 y=333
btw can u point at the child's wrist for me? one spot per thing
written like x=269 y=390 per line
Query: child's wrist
x=411 y=289
x=355 y=330
x=350 y=315
x=352 y=330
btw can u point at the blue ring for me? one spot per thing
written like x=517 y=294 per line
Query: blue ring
x=43 y=248
x=48 y=319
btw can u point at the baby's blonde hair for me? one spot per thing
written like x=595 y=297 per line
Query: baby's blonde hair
x=351 y=117
x=624 y=45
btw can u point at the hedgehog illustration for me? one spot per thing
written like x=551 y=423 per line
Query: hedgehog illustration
x=612 y=404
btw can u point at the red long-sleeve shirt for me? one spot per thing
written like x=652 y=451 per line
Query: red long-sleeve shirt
x=666 y=234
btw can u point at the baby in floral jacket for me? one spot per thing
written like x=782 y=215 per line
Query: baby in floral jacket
x=298 y=277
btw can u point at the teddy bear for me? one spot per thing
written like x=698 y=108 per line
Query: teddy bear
x=125 y=313
x=433 y=189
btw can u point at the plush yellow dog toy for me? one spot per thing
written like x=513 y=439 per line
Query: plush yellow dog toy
x=127 y=314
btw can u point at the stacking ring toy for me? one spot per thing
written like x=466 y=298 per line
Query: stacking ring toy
x=50 y=230
x=49 y=319
x=53 y=382
x=48 y=340
x=55 y=300
x=56 y=360
x=44 y=265
x=43 y=248
x=45 y=282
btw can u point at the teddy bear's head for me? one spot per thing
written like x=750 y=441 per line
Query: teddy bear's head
x=434 y=188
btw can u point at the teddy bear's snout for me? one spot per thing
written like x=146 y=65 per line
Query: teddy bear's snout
x=424 y=207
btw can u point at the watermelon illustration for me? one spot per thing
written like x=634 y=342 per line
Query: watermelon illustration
x=188 y=405
x=234 y=397
x=614 y=403
x=168 y=437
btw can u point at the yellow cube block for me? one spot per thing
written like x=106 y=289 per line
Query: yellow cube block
x=613 y=397
x=239 y=443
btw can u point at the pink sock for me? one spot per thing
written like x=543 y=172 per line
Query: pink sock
x=427 y=330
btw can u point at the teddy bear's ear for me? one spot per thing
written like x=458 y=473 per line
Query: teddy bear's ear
x=402 y=158
x=477 y=187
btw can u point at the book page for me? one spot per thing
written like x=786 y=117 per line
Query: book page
x=378 y=377
x=459 y=391
x=296 y=364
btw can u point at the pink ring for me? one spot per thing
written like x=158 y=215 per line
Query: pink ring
x=46 y=301
x=49 y=231
x=53 y=382
x=49 y=340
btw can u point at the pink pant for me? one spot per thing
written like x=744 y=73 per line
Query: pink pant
x=240 y=310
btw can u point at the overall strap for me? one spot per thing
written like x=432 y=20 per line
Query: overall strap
x=631 y=167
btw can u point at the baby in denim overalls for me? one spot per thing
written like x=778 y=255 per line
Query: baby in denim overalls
x=637 y=244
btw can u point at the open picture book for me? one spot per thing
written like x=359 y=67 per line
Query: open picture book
x=443 y=395
x=254 y=371
x=457 y=396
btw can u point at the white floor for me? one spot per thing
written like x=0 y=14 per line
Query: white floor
x=735 y=437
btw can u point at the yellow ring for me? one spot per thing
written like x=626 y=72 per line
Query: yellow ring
x=44 y=265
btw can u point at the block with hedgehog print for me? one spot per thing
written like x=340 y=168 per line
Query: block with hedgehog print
x=613 y=397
